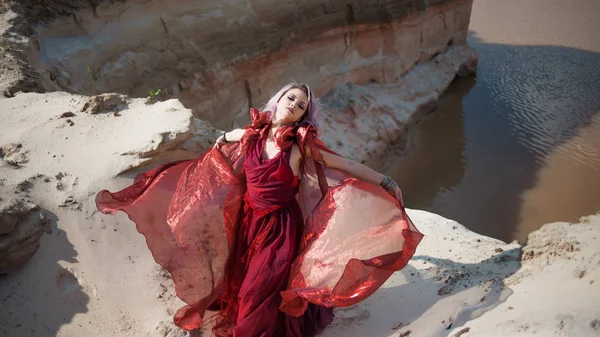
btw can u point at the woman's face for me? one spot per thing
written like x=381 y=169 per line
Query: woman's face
x=291 y=106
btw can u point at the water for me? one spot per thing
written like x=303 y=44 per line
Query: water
x=514 y=148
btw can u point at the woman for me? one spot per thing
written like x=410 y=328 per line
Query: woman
x=289 y=248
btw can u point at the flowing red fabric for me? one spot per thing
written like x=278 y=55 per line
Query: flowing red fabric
x=266 y=245
x=199 y=215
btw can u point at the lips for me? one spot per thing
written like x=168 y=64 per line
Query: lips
x=290 y=110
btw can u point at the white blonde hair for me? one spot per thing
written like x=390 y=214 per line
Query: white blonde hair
x=310 y=116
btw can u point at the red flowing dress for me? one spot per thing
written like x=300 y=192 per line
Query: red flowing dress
x=266 y=245
x=274 y=251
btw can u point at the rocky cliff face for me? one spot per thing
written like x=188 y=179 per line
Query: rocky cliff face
x=220 y=58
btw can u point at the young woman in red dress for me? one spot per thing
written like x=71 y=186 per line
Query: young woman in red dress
x=270 y=227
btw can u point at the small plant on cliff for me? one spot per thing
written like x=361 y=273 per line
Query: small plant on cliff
x=152 y=96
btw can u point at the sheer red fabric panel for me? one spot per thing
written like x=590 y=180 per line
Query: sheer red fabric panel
x=186 y=210
x=354 y=239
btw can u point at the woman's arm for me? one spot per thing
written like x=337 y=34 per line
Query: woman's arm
x=230 y=137
x=352 y=167
x=362 y=172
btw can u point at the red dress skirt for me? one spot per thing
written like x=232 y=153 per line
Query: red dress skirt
x=265 y=247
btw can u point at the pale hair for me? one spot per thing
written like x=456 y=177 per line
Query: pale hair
x=310 y=116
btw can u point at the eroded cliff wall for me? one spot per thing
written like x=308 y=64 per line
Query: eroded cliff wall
x=219 y=58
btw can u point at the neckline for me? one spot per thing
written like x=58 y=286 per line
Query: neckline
x=262 y=150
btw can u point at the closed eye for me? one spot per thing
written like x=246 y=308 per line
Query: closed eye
x=293 y=98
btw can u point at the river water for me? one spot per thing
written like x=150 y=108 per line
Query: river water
x=519 y=145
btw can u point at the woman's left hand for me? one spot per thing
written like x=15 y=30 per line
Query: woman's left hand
x=397 y=194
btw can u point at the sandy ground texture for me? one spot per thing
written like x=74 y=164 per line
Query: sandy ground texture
x=463 y=284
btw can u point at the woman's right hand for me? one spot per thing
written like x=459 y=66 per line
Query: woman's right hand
x=220 y=141
x=230 y=137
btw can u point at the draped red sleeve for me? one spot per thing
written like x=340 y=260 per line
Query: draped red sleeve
x=355 y=234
